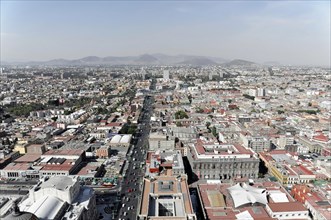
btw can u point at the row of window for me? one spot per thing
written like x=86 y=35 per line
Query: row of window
x=220 y=165
x=287 y=215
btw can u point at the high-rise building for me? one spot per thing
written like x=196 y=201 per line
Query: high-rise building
x=166 y=75
x=261 y=92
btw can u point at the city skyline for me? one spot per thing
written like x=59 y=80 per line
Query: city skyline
x=291 y=32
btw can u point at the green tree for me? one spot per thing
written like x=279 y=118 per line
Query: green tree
x=214 y=132
x=199 y=110
x=280 y=112
x=180 y=115
x=179 y=124
x=249 y=97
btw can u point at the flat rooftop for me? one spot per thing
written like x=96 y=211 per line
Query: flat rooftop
x=166 y=195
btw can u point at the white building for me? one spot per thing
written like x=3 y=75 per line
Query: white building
x=61 y=197
x=166 y=75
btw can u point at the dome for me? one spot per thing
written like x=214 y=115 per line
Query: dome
x=16 y=214
x=20 y=216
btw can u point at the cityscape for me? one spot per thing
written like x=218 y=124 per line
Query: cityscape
x=159 y=135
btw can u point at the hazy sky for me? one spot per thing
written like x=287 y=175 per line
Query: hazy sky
x=290 y=32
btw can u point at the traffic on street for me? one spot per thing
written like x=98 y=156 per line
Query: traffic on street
x=133 y=180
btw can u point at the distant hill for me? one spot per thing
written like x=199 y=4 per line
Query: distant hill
x=199 y=62
x=239 y=62
x=271 y=63
x=90 y=59
x=145 y=59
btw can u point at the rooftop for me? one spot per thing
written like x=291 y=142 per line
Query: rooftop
x=287 y=207
x=58 y=182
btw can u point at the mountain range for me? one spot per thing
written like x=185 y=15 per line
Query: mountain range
x=145 y=59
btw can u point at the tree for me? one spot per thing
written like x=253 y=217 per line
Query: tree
x=180 y=115
x=179 y=124
x=280 y=112
x=214 y=132
x=249 y=97
x=199 y=110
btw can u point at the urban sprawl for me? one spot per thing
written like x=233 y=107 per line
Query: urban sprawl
x=165 y=142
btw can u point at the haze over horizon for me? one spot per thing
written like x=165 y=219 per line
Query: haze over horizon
x=289 y=32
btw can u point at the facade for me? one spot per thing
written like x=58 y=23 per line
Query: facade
x=285 y=140
x=183 y=133
x=52 y=163
x=287 y=210
x=286 y=169
x=103 y=152
x=166 y=75
x=256 y=143
x=317 y=202
x=223 y=161
x=35 y=149
x=159 y=140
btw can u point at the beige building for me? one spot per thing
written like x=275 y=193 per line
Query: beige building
x=166 y=197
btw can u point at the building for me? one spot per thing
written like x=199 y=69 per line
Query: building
x=185 y=134
x=36 y=149
x=121 y=140
x=285 y=140
x=256 y=143
x=226 y=201
x=51 y=163
x=223 y=161
x=287 y=210
x=286 y=167
x=159 y=140
x=61 y=197
x=317 y=202
x=261 y=92
x=10 y=210
x=165 y=198
x=166 y=75
x=103 y=152
x=165 y=160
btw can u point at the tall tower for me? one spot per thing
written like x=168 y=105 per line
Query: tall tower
x=166 y=75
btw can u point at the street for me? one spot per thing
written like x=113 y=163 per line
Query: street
x=133 y=180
